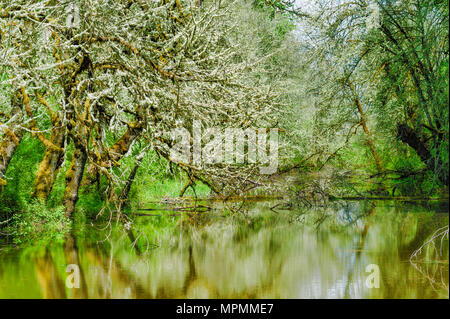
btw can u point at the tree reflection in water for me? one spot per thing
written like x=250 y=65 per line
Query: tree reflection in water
x=284 y=254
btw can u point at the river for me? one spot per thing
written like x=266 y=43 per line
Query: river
x=349 y=249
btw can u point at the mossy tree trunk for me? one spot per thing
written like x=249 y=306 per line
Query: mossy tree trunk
x=113 y=154
x=54 y=152
x=80 y=135
x=418 y=142
x=73 y=180
x=11 y=139
x=50 y=165
x=365 y=127
x=8 y=147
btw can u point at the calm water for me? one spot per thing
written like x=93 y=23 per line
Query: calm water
x=300 y=253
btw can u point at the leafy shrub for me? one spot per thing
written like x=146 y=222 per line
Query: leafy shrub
x=37 y=223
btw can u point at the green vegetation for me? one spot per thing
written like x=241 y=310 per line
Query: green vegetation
x=89 y=99
x=38 y=223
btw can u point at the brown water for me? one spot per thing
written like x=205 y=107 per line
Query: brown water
x=300 y=253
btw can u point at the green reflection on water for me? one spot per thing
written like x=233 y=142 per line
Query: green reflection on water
x=321 y=253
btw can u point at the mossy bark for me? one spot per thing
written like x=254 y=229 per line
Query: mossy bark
x=113 y=154
x=366 y=128
x=418 y=142
x=8 y=147
x=11 y=140
x=50 y=165
x=73 y=180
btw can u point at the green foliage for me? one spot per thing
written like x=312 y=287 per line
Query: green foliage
x=398 y=69
x=272 y=7
x=156 y=178
x=38 y=223
x=20 y=175
x=318 y=123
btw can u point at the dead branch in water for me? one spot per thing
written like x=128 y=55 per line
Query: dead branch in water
x=434 y=273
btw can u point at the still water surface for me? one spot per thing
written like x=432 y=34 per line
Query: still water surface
x=300 y=253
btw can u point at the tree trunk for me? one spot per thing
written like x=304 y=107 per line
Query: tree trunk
x=73 y=179
x=366 y=128
x=50 y=165
x=417 y=142
x=123 y=198
x=130 y=180
x=7 y=149
x=114 y=154
x=11 y=139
